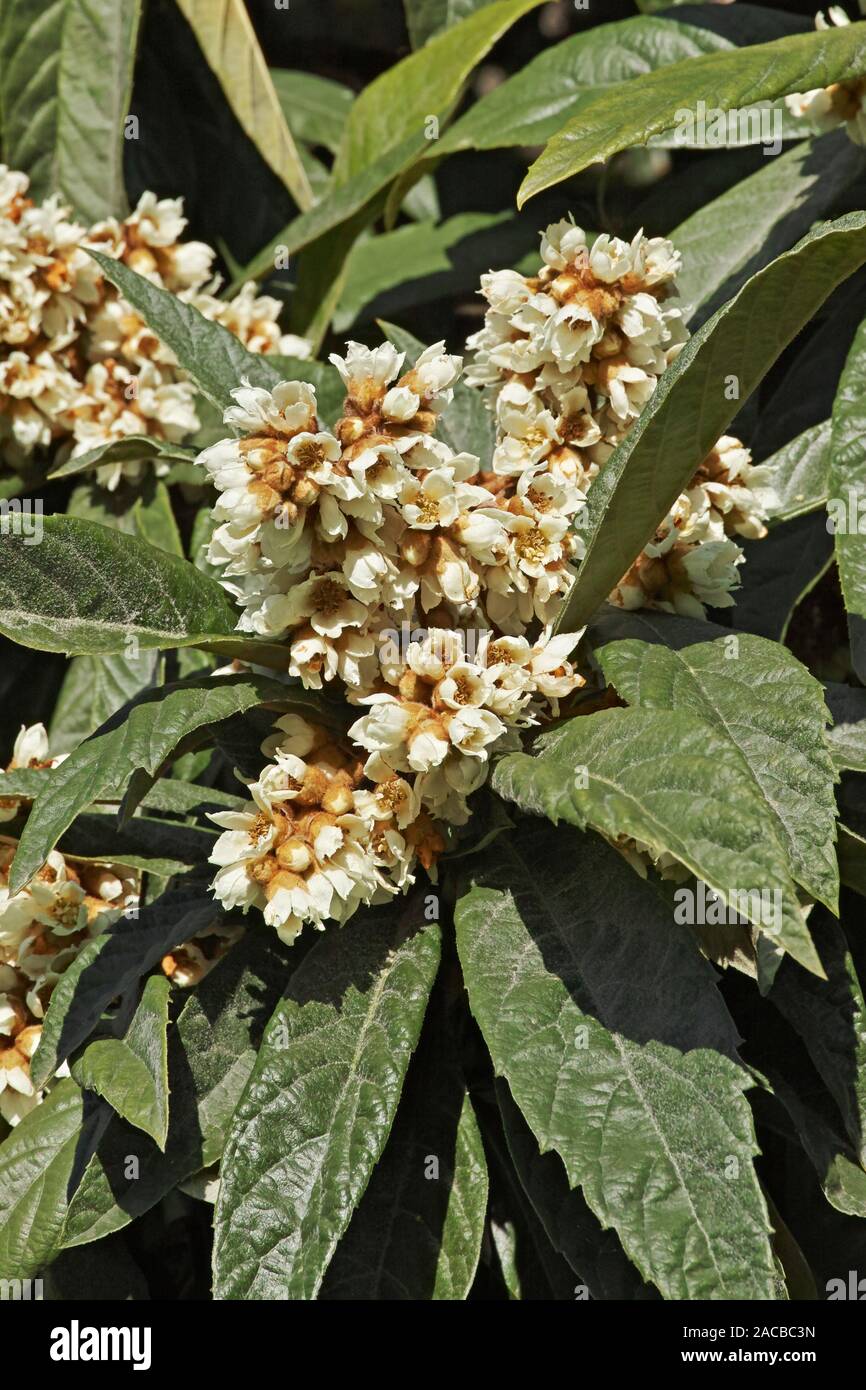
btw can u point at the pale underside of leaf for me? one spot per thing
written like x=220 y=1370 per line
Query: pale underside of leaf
x=227 y=39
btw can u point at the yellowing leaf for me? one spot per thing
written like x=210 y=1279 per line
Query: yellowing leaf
x=228 y=41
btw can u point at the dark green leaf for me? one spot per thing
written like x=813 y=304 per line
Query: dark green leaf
x=418 y=1229
x=211 y=1054
x=161 y=721
x=86 y=589
x=673 y=782
x=736 y=79
x=131 y=1073
x=594 y=1254
x=694 y=403
x=214 y=358
x=757 y=695
x=319 y=1105
x=830 y=1017
x=763 y=216
x=131 y=448
x=847 y=480
x=111 y=964
x=36 y=1163
x=65 y=83
x=607 y=1025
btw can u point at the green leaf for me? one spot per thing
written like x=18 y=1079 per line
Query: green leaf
x=816 y=1129
x=213 y=357
x=131 y=1073
x=465 y=424
x=799 y=473
x=94 y=688
x=65 y=83
x=154 y=846
x=759 y=697
x=228 y=41
x=185 y=798
x=316 y=107
x=763 y=216
x=655 y=102
x=594 y=1254
x=385 y=134
x=86 y=589
x=318 y=1107
x=155 y=727
x=673 y=782
x=830 y=1017
x=847 y=737
x=779 y=572
x=111 y=964
x=847 y=480
x=131 y=448
x=155 y=521
x=211 y=1053
x=428 y=17
x=36 y=1163
x=396 y=104
x=694 y=404
x=26 y=782
x=530 y=1268
x=420 y=262
x=607 y=1024
x=418 y=1229
x=567 y=77
x=31 y=32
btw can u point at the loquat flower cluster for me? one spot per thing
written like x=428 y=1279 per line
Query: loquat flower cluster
x=78 y=366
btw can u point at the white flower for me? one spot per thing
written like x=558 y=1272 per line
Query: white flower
x=391 y=799
x=434 y=375
x=288 y=409
x=610 y=259
x=505 y=290
x=325 y=602
x=433 y=657
x=384 y=728
x=367 y=371
x=433 y=502
x=427 y=746
x=463 y=684
x=712 y=571
x=400 y=403
x=561 y=243
x=31 y=747
x=472 y=730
